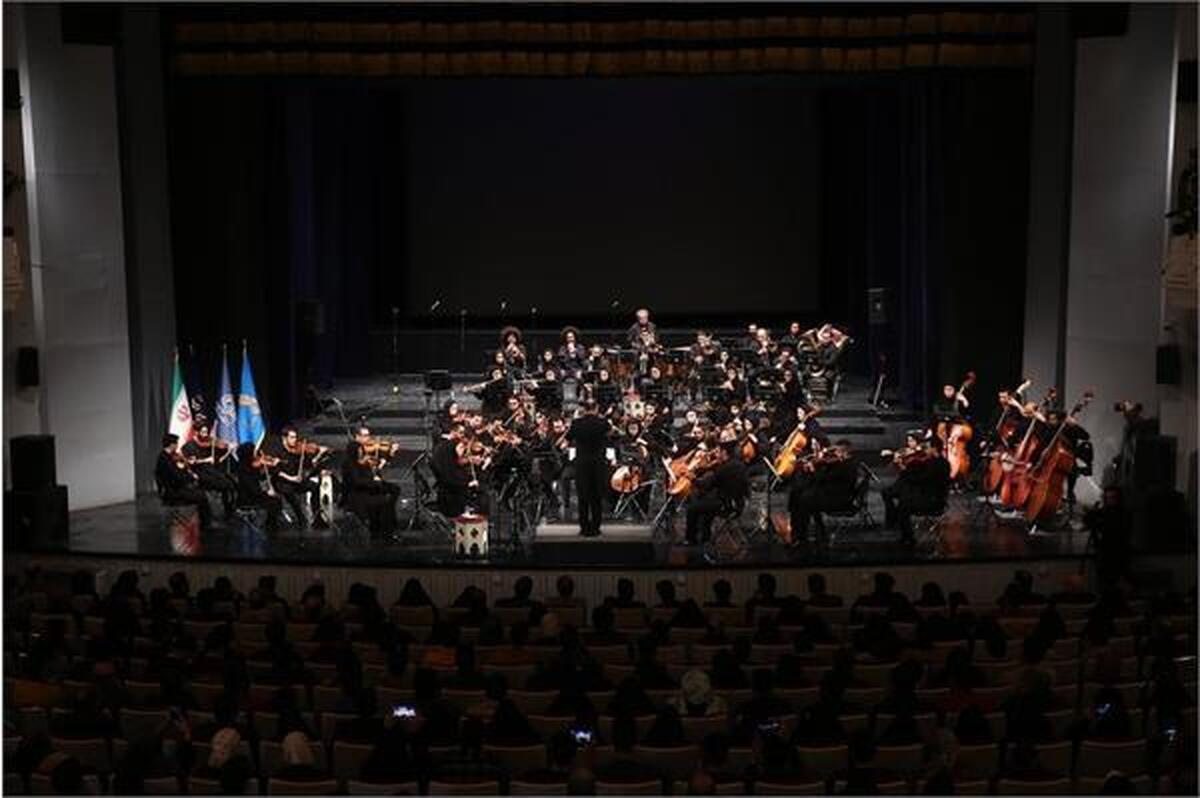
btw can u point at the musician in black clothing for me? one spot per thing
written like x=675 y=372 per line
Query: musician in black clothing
x=548 y=395
x=947 y=407
x=367 y=494
x=493 y=394
x=828 y=484
x=252 y=486
x=571 y=354
x=454 y=481
x=589 y=435
x=176 y=482
x=726 y=485
x=291 y=484
x=642 y=334
x=920 y=488
x=209 y=461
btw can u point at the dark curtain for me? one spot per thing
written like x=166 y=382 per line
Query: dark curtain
x=924 y=195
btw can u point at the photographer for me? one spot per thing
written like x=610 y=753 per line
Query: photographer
x=1110 y=526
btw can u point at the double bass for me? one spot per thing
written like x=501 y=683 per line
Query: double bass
x=1015 y=490
x=1006 y=427
x=1050 y=474
x=789 y=453
x=955 y=435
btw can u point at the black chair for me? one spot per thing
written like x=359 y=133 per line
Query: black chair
x=857 y=513
x=728 y=538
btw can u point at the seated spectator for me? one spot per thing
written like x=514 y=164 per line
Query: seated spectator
x=902 y=698
x=764 y=595
x=689 y=616
x=1050 y=626
x=565 y=596
x=727 y=674
x=413 y=594
x=1023 y=764
x=1117 y=783
x=972 y=727
x=625 y=595
x=962 y=678
x=286 y=704
x=391 y=760
x=666 y=731
x=665 y=589
x=630 y=699
x=931 y=596
x=722 y=594
x=548 y=630
x=817 y=595
x=878 y=639
x=819 y=723
x=696 y=698
x=509 y=726
x=622 y=767
x=224 y=745
x=939 y=782
x=466 y=675
x=298 y=761
x=651 y=674
x=366 y=726
x=603 y=633
x=789 y=672
x=766 y=631
x=1019 y=592
x=763 y=709
x=439 y=716
x=880 y=597
x=234 y=775
x=901 y=730
x=521 y=597
x=312 y=603
x=861 y=778
x=994 y=640
x=572 y=701
x=560 y=761
x=1107 y=718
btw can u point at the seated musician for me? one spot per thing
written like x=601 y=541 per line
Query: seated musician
x=690 y=435
x=254 y=485
x=606 y=392
x=921 y=486
x=947 y=407
x=177 y=484
x=209 y=460
x=642 y=333
x=291 y=477
x=827 y=483
x=513 y=349
x=571 y=354
x=726 y=485
x=548 y=396
x=1080 y=441
x=792 y=339
x=454 y=480
x=493 y=394
x=367 y=494
x=497 y=360
x=633 y=449
x=546 y=460
x=382 y=452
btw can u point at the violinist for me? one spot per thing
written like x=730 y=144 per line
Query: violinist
x=380 y=452
x=254 y=485
x=449 y=464
x=571 y=355
x=292 y=476
x=177 y=484
x=725 y=486
x=589 y=435
x=792 y=338
x=920 y=487
x=368 y=495
x=209 y=461
x=546 y=464
x=791 y=397
x=825 y=482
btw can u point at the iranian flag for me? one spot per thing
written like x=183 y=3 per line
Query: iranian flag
x=181 y=411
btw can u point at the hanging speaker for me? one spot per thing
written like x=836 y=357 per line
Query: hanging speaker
x=877 y=311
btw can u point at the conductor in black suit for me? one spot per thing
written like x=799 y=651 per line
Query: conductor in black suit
x=589 y=435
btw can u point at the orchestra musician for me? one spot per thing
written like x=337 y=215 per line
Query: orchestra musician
x=177 y=483
x=292 y=476
x=571 y=355
x=367 y=494
x=493 y=394
x=725 y=486
x=792 y=339
x=642 y=334
x=948 y=407
x=920 y=487
x=548 y=395
x=449 y=465
x=254 y=485
x=825 y=482
x=513 y=349
x=209 y=461
x=589 y=435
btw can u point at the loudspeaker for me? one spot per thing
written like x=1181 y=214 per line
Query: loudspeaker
x=1168 y=364
x=310 y=317
x=877 y=306
x=39 y=515
x=437 y=380
x=27 y=367
x=31 y=458
x=1154 y=462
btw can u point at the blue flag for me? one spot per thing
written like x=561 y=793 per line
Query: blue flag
x=225 y=415
x=249 y=417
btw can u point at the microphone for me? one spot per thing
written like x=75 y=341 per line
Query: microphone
x=462 y=312
x=437 y=303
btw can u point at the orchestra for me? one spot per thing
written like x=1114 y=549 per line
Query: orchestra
x=625 y=426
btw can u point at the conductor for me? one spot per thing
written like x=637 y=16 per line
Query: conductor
x=589 y=435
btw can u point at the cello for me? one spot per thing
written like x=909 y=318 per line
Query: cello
x=1053 y=467
x=955 y=435
x=785 y=462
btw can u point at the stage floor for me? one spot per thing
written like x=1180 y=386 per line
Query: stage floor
x=968 y=533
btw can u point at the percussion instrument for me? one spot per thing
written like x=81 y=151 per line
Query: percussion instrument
x=471 y=536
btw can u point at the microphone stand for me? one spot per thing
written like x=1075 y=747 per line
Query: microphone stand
x=395 y=350
x=532 y=349
x=462 y=344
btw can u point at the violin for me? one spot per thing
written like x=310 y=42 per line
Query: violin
x=908 y=456
x=378 y=447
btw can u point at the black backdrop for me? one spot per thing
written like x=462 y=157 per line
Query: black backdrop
x=286 y=192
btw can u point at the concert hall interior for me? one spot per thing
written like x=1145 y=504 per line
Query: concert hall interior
x=814 y=382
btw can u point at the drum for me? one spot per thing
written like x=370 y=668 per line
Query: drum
x=627 y=478
x=471 y=536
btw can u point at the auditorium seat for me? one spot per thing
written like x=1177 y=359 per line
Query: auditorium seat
x=903 y=759
x=519 y=787
x=1049 y=787
x=1090 y=785
x=464 y=786
x=286 y=787
x=1097 y=758
x=674 y=762
x=516 y=759
x=629 y=788
x=91 y=752
x=354 y=787
x=823 y=761
x=977 y=761
x=767 y=787
x=271 y=756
